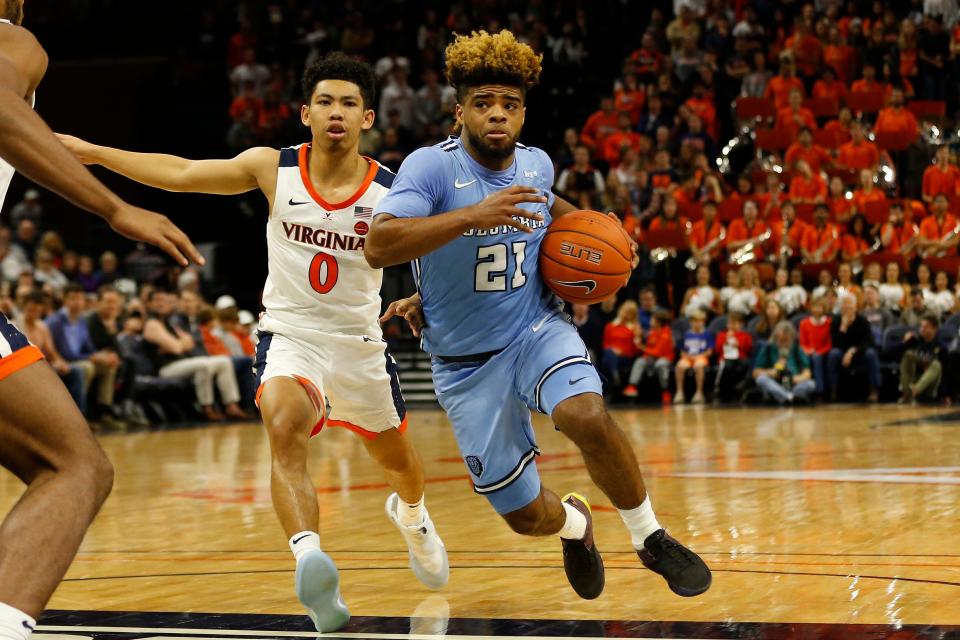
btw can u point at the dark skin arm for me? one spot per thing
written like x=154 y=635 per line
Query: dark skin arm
x=32 y=149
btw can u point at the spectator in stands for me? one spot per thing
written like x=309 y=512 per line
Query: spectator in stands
x=694 y=354
x=599 y=125
x=857 y=242
x=840 y=201
x=782 y=369
x=806 y=49
x=786 y=233
x=938 y=235
x=815 y=340
x=942 y=300
x=791 y=298
x=839 y=56
x=27 y=209
x=921 y=368
x=71 y=335
x=431 y=98
x=807 y=187
x=933 y=50
x=829 y=87
x=917 y=308
x=109 y=268
x=46 y=273
x=780 y=86
x=755 y=83
x=250 y=73
x=838 y=129
x=896 y=236
x=563 y=156
x=859 y=153
x=771 y=315
x=707 y=235
x=846 y=285
x=794 y=117
x=240 y=349
x=733 y=347
x=940 y=177
x=874 y=312
x=629 y=97
x=867 y=192
x=747 y=233
x=821 y=241
x=895 y=119
x=648 y=306
x=702 y=297
x=804 y=149
x=852 y=346
x=647 y=59
x=656 y=354
x=868 y=81
x=893 y=292
x=589 y=324
x=580 y=183
x=27 y=239
x=399 y=96
x=172 y=349
x=682 y=28
x=623 y=138
x=105 y=322
x=621 y=342
x=86 y=277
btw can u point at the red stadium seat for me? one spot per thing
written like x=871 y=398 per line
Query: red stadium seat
x=749 y=108
x=693 y=211
x=876 y=212
x=927 y=108
x=822 y=107
x=849 y=176
x=773 y=139
x=886 y=258
x=766 y=272
x=804 y=211
x=866 y=101
x=730 y=210
x=811 y=270
x=827 y=139
x=949 y=264
x=667 y=238
x=894 y=141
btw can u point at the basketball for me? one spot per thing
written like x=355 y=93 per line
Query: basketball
x=585 y=257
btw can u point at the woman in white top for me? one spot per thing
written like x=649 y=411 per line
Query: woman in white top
x=872 y=275
x=728 y=291
x=748 y=295
x=792 y=298
x=942 y=301
x=702 y=296
x=824 y=284
x=925 y=283
x=893 y=293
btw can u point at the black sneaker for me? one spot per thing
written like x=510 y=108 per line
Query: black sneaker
x=685 y=573
x=581 y=559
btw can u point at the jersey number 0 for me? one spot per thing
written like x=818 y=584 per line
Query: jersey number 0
x=324 y=272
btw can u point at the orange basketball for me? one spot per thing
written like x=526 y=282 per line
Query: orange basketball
x=585 y=257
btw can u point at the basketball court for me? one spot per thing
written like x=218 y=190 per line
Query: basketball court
x=837 y=521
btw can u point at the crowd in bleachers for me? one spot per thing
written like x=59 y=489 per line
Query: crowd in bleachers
x=133 y=340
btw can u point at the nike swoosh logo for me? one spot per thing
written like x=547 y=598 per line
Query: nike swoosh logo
x=461 y=185
x=26 y=625
x=589 y=285
x=306 y=535
x=573 y=382
x=297 y=204
x=366 y=339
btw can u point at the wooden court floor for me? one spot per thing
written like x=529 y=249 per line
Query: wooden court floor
x=845 y=515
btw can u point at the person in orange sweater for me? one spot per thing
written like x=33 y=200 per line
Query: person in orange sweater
x=795 y=116
x=828 y=87
x=701 y=104
x=815 y=339
x=859 y=153
x=821 y=242
x=804 y=149
x=707 y=231
x=867 y=192
x=806 y=48
x=630 y=97
x=747 y=229
x=621 y=342
x=656 y=354
x=938 y=237
x=839 y=56
x=624 y=136
x=897 y=235
x=940 y=177
x=895 y=119
x=841 y=206
x=838 y=129
x=868 y=82
x=787 y=227
x=857 y=242
x=780 y=86
x=599 y=125
x=806 y=187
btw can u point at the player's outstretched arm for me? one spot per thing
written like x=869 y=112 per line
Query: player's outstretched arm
x=28 y=144
x=173 y=173
x=394 y=240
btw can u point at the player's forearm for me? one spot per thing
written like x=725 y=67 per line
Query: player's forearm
x=398 y=240
x=28 y=144
x=152 y=169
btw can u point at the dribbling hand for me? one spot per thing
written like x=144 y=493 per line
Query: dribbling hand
x=407 y=308
x=498 y=209
x=633 y=244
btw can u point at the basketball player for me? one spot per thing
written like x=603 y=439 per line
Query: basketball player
x=44 y=439
x=471 y=213
x=320 y=339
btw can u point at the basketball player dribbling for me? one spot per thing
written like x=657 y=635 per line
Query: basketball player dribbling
x=319 y=337
x=44 y=439
x=470 y=213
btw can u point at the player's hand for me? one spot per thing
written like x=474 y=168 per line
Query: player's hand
x=498 y=209
x=81 y=149
x=156 y=229
x=407 y=308
x=633 y=244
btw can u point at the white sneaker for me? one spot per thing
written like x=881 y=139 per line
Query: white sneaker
x=698 y=398
x=679 y=399
x=318 y=588
x=428 y=556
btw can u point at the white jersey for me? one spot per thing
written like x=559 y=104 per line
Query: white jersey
x=318 y=279
x=6 y=170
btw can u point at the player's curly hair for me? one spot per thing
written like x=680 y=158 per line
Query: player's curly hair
x=484 y=58
x=340 y=66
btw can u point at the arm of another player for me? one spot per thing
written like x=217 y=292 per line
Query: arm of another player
x=233 y=176
x=410 y=309
x=32 y=149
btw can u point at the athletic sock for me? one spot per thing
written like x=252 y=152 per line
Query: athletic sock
x=641 y=522
x=15 y=624
x=410 y=515
x=301 y=543
x=575 y=526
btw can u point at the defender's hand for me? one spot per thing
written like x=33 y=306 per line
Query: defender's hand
x=409 y=309
x=499 y=208
x=156 y=229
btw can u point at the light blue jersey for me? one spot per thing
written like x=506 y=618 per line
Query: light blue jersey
x=481 y=290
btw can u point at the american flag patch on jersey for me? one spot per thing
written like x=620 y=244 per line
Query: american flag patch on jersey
x=363 y=212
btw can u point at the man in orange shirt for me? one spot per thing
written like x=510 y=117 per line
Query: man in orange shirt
x=867 y=193
x=940 y=177
x=804 y=149
x=839 y=127
x=896 y=235
x=707 y=232
x=795 y=116
x=938 y=231
x=807 y=187
x=788 y=227
x=702 y=105
x=779 y=87
x=839 y=56
x=820 y=242
x=747 y=229
x=599 y=125
x=859 y=153
x=624 y=136
x=896 y=119
x=868 y=83
x=630 y=98
x=806 y=49
x=829 y=87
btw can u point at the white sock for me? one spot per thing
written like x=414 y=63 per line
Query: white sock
x=302 y=542
x=410 y=515
x=641 y=522
x=575 y=526
x=15 y=624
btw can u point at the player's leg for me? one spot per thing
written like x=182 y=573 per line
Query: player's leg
x=401 y=464
x=44 y=441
